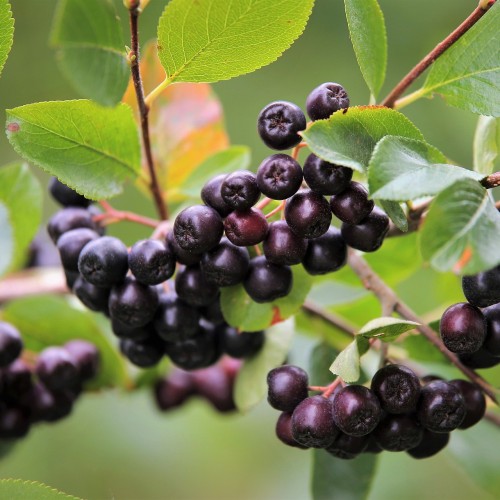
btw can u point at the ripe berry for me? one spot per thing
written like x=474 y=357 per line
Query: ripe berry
x=368 y=235
x=475 y=402
x=356 y=410
x=182 y=256
x=133 y=303
x=14 y=423
x=239 y=190
x=284 y=431
x=246 y=228
x=70 y=245
x=151 y=262
x=352 y=205
x=479 y=359
x=193 y=288
x=214 y=384
x=441 y=407
x=279 y=176
x=463 y=328
x=66 y=196
x=56 y=369
x=397 y=388
x=198 y=228
x=432 y=443
x=325 y=254
x=213 y=312
x=308 y=214
x=143 y=353
x=211 y=195
x=482 y=289
x=226 y=264
x=104 y=262
x=173 y=390
x=282 y=245
x=279 y=123
x=398 y=433
x=69 y=218
x=48 y=406
x=16 y=379
x=125 y=331
x=492 y=339
x=94 y=297
x=11 y=343
x=86 y=357
x=266 y=282
x=325 y=99
x=348 y=447
x=175 y=320
x=287 y=387
x=326 y=178
x=241 y=344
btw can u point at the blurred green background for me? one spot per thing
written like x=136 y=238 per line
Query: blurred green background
x=117 y=445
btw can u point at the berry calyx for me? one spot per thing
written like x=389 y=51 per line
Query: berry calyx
x=279 y=176
x=239 y=190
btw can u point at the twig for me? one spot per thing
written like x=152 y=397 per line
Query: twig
x=331 y=318
x=134 y=11
x=111 y=215
x=493 y=418
x=440 y=48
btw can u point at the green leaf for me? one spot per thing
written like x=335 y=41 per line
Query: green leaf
x=93 y=150
x=251 y=383
x=396 y=213
x=91 y=53
x=319 y=363
x=330 y=293
x=467 y=75
x=212 y=40
x=461 y=232
x=48 y=320
x=420 y=349
x=17 y=489
x=386 y=328
x=405 y=169
x=369 y=40
x=20 y=213
x=6 y=31
x=486 y=144
x=337 y=479
x=346 y=364
x=223 y=162
x=349 y=138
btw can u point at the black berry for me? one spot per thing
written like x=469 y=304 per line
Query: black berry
x=475 y=402
x=398 y=433
x=182 y=256
x=432 y=443
x=492 y=339
x=284 y=431
x=246 y=228
x=94 y=297
x=69 y=218
x=216 y=386
x=175 y=320
x=56 y=369
x=348 y=447
x=326 y=178
x=211 y=195
x=325 y=254
x=86 y=357
x=173 y=390
x=11 y=343
x=70 y=245
x=287 y=387
x=325 y=99
x=352 y=205
x=241 y=344
x=66 y=196
x=282 y=245
x=151 y=262
x=143 y=353
x=368 y=235
x=239 y=190
x=193 y=287
x=266 y=282
x=279 y=176
x=308 y=214
x=482 y=289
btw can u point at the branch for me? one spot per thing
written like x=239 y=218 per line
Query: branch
x=440 y=48
x=493 y=418
x=386 y=295
x=111 y=215
x=134 y=11
x=330 y=318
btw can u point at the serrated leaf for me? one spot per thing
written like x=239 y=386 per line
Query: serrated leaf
x=467 y=75
x=20 y=213
x=349 y=138
x=19 y=489
x=337 y=479
x=48 y=320
x=346 y=365
x=404 y=169
x=396 y=213
x=91 y=49
x=6 y=31
x=369 y=40
x=486 y=144
x=461 y=232
x=91 y=149
x=213 y=40
x=251 y=383
x=386 y=328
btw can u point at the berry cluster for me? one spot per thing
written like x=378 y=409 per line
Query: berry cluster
x=41 y=390
x=398 y=413
x=471 y=332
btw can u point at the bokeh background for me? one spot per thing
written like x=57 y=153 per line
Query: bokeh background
x=117 y=445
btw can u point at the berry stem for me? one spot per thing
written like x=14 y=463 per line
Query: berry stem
x=263 y=203
x=386 y=295
x=111 y=216
x=493 y=418
x=296 y=149
x=278 y=209
x=134 y=12
x=331 y=388
x=336 y=321
x=391 y=100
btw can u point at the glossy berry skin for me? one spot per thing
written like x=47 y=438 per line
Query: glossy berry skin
x=284 y=431
x=226 y=264
x=70 y=245
x=69 y=218
x=479 y=359
x=475 y=402
x=104 y=262
x=151 y=262
x=352 y=205
x=368 y=235
x=11 y=343
x=173 y=390
x=278 y=125
x=175 y=320
x=325 y=254
x=16 y=379
x=48 y=406
x=398 y=433
x=397 y=388
x=287 y=387
x=213 y=312
x=197 y=229
x=133 y=303
x=93 y=297
x=57 y=369
x=312 y=423
x=266 y=282
x=432 y=443
x=246 y=228
x=308 y=214
x=441 y=407
x=326 y=178
x=356 y=410
x=142 y=353
x=282 y=245
x=193 y=288
x=241 y=344
x=86 y=357
x=325 y=99
x=492 y=340
x=483 y=289
x=66 y=196
x=124 y=331
x=182 y=256
x=214 y=385
x=463 y=328
x=211 y=195
x=239 y=190
x=348 y=447
x=279 y=176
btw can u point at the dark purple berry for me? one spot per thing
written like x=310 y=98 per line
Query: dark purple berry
x=348 y=447
x=246 y=228
x=70 y=218
x=282 y=245
x=143 y=353
x=182 y=256
x=215 y=385
x=284 y=431
x=398 y=433
x=56 y=369
x=175 y=320
x=266 y=282
x=326 y=178
x=16 y=379
x=352 y=205
x=479 y=359
x=213 y=312
x=66 y=196
x=14 y=423
x=492 y=339
x=125 y=331
x=287 y=387
x=475 y=402
x=70 y=245
x=151 y=262
x=94 y=297
x=193 y=287
x=11 y=343
x=173 y=390
x=241 y=344
x=86 y=357
x=279 y=176
x=368 y=235
x=211 y=195
x=325 y=254
x=48 y=406
x=482 y=289
x=432 y=443
x=325 y=99
x=308 y=214
x=239 y=190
